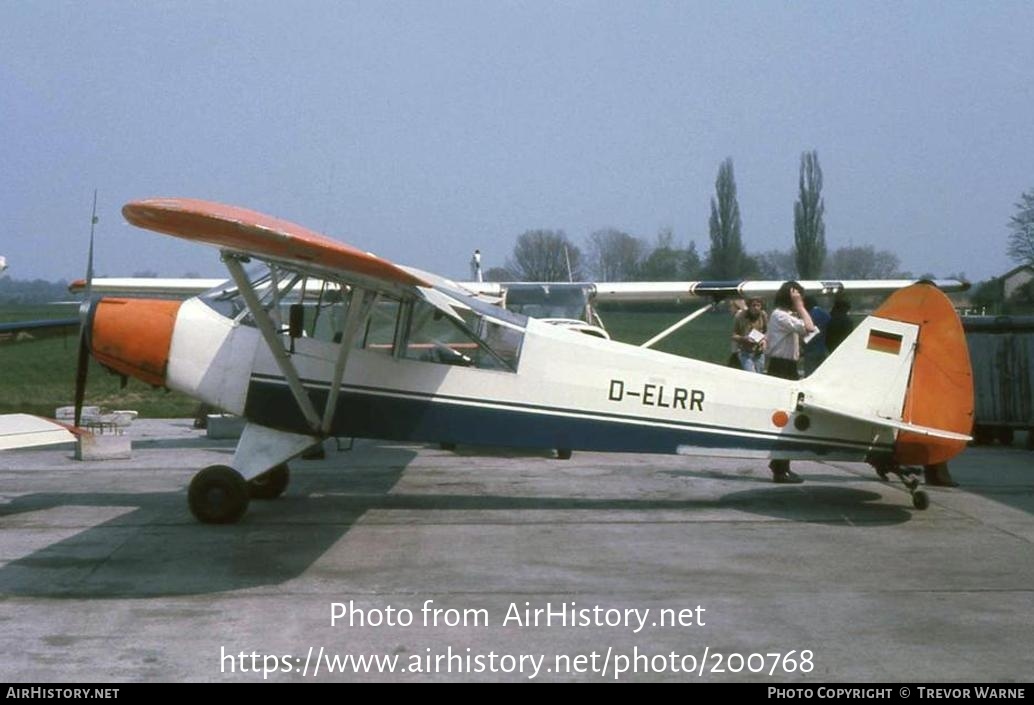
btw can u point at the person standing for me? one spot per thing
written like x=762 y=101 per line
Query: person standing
x=748 y=335
x=788 y=324
x=815 y=350
x=840 y=324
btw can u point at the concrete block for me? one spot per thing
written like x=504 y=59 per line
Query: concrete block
x=225 y=426
x=67 y=413
x=104 y=446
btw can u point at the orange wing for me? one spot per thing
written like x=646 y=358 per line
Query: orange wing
x=251 y=233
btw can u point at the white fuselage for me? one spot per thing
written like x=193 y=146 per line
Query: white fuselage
x=569 y=391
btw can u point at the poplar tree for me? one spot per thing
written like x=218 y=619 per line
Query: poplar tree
x=809 y=230
x=725 y=259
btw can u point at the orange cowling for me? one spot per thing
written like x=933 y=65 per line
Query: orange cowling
x=133 y=336
x=940 y=390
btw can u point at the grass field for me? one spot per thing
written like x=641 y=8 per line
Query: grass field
x=39 y=376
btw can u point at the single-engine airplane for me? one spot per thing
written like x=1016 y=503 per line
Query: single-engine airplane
x=404 y=355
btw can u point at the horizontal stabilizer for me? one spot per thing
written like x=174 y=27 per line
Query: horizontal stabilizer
x=889 y=423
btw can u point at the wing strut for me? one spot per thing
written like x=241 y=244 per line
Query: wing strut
x=674 y=327
x=358 y=312
x=276 y=347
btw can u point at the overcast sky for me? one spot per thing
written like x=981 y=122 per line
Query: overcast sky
x=421 y=130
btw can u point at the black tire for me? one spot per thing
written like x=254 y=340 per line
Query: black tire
x=270 y=484
x=218 y=495
x=920 y=500
x=563 y=453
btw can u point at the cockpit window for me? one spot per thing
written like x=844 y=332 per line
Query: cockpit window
x=442 y=326
x=548 y=300
x=460 y=336
x=323 y=304
x=381 y=328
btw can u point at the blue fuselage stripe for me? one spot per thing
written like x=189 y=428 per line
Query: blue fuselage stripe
x=367 y=412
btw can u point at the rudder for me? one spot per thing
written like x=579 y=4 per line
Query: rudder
x=940 y=388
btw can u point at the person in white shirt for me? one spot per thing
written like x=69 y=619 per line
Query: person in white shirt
x=787 y=325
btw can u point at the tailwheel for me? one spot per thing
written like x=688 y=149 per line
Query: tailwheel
x=909 y=478
x=920 y=500
x=270 y=484
x=218 y=495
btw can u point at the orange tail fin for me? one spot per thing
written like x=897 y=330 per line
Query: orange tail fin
x=940 y=390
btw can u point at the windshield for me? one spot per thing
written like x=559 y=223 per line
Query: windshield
x=548 y=300
x=322 y=304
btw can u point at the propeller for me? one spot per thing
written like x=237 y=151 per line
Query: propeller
x=84 y=325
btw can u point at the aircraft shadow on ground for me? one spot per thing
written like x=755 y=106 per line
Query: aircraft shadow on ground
x=158 y=549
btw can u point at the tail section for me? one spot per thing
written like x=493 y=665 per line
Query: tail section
x=908 y=365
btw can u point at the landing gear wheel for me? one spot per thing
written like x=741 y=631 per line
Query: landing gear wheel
x=909 y=477
x=218 y=495
x=920 y=500
x=563 y=453
x=270 y=484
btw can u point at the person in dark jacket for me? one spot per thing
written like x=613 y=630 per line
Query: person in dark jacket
x=840 y=323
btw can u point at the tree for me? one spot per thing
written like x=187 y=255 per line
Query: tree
x=809 y=231
x=988 y=296
x=499 y=274
x=35 y=291
x=668 y=262
x=691 y=267
x=776 y=265
x=544 y=256
x=1021 y=239
x=663 y=261
x=864 y=262
x=725 y=258
x=614 y=255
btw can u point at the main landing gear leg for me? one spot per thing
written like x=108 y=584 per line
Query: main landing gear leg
x=909 y=478
x=220 y=494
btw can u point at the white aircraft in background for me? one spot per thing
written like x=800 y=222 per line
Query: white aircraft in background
x=26 y=430
x=372 y=349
